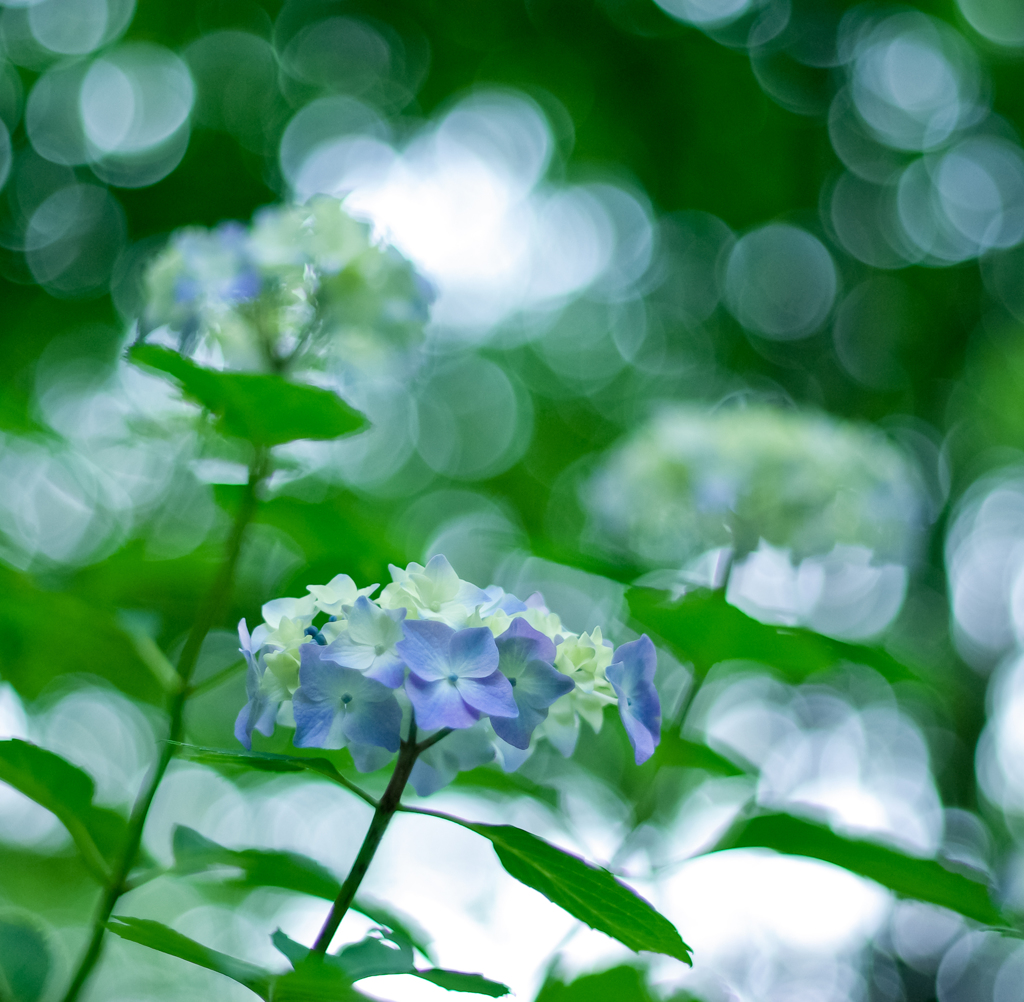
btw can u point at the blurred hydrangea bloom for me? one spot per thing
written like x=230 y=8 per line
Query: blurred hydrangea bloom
x=302 y=287
x=807 y=519
x=348 y=670
x=690 y=481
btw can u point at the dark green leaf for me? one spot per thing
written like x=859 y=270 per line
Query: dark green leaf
x=907 y=876
x=590 y=893
x=706 y=629
x=264 y=409
x=619 y=984
x=193 y=853
x=24 y=959
x=67 y=791
x=160 y=937
x=456 y=981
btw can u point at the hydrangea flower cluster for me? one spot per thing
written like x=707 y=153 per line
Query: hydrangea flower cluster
x=301 y=285
x=691 y=481
x=349 y=670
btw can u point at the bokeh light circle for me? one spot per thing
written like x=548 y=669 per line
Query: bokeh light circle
x=780 y=282
x=73 y=240
x=914 y=80
x=134 y=98
x=69 y=27
x=1000 y=21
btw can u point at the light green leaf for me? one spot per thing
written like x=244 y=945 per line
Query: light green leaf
x=456 y=981
x=618 y=984
x=706 y=629
x=264 y=409
x=906 y=876
x=193 y=853
x=589 y=893
x=165 y=940
x=67 y=791
x=25 y=962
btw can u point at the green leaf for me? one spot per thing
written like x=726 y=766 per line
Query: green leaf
x=165 y=940
x=706 y=629
x=101 y=647
x=589 y=893
x=264 y=409
x=291 y=871
x=619 y=984
x=67 y=791
x=400 y=927
x=906 y=876
x=193 y=853
x=456 y=981
x=25 y=962
x=371 y=957
x=270 y=762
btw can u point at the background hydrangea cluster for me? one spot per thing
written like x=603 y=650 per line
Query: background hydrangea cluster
x=304 y=287
x=347 y=670
x=690 y=480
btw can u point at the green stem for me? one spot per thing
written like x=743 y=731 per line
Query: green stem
x=386 y=807
x=211 y=611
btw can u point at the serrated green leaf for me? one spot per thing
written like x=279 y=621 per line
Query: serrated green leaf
x=618 y=984
x=589 y=893
x=906 y=876
x=261 y=408
x=706 y=630
x=193 y=853
x=165 y=940
x=456 y=981
x=25 y=962
x=67 y=791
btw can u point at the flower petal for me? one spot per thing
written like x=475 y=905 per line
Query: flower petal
x=491 y=695
x=473 y=653
x=438 y=703
x=425 y=648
